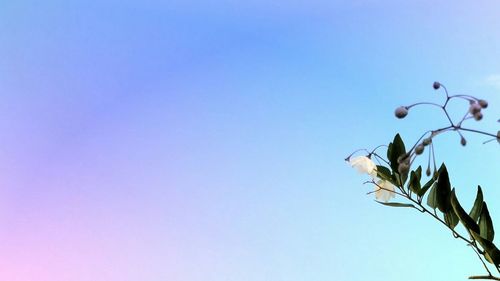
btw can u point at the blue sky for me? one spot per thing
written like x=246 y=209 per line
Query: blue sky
x=189 y=140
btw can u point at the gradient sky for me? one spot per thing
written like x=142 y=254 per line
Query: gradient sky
x=204 y=141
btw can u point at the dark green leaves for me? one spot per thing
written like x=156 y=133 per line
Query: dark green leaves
x=451 y=218
x=443 y=189
x=415 y=176
x=431 y=198
x=395 y=204
x=383 y=173
x=394 y=151
x=467 y=221
x=426 y=187
x=485 y=224
x=482 y=233
x=480 y=212
x=492 y=253
x=478 y=205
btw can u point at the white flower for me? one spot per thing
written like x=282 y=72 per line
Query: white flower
x=364 y=165
x=384 y=191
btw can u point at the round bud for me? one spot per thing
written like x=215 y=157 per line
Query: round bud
x=463 y=141
x=483 y=103
x=419 y=149
x=474 y=108
x=498 y=137
x=401 y=112
x=478 y=116
x=428 y=171
x=403 y=168
x=436 y=85
x=427 y=141
x=404 y=158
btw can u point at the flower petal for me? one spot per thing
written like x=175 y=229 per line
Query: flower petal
x=384 y=191
x=363 y=164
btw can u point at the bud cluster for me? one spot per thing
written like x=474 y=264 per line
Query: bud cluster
x=475 y=109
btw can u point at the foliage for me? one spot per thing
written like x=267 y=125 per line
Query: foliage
x=395 y=176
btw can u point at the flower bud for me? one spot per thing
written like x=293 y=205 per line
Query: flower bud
x=463 y=141
x=427 y=141
x=483 y=103
x=401 y=112
x=404 y=158
x=419 y=149
x=498 y=137
x=478 y=116
x=403 y=168
x=474 y=108
x=436 y=85
x=428 y=171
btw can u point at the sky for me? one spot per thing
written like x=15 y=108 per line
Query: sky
x=189 y=140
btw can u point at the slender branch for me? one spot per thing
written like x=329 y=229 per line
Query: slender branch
x=423 y=209
x=447 y=95
x=448 y=116
x=381 y=158
x=477 y=131
x=466 y=97
x=456 y=234
x=424 y=103
x=482 y=261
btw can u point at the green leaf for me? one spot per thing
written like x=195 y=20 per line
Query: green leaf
x=395 y=179
x=426 y=187
x=492 y=254
x=431 y=198
x=395 y=204
x=478 y=205
x=485 y=224
x=451 y=218
x=467 y=221
x=443 y=190
x=414 y=183
x=396 y=149
x=384 y=173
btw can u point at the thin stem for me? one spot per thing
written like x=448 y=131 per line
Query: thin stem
x=382 y=145
x=466 y=97
x=425 y=210
x=433 y=157
x=476 y=131
x=446 y=91
x=424 y=103
x=448 y=116
x=357 y=150
x=463 y=118
x=482 y=261
x=381 y=158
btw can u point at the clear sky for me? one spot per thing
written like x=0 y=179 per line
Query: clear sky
x=204 y=140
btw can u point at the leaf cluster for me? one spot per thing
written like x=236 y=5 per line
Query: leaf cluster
x=441 y=198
